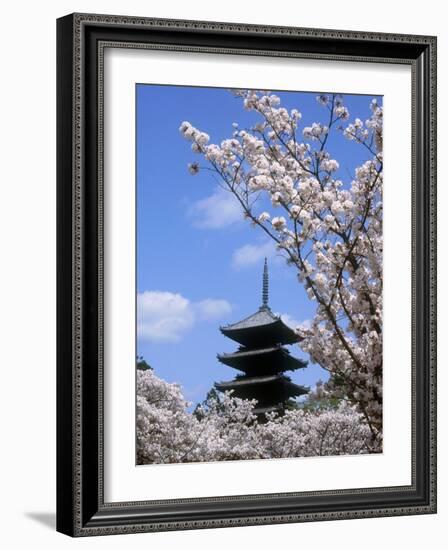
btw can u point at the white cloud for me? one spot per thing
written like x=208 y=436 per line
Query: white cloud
x=163 y=316
x=251 y=254
x=216 y=211
x=289 y=320
x=213 y=309
x=292 y=322
x=166 y=316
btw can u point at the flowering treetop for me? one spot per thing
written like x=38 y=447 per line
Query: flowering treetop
x=328 y=230
x=227 y=429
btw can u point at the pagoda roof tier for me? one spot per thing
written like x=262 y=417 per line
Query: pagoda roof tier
x=269 y=360
x=262 y=328
x=264 y=388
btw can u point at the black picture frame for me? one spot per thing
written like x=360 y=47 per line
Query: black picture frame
x=81 y=510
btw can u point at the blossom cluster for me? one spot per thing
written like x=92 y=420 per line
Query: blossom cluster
x=226 y=428
x=328 y=229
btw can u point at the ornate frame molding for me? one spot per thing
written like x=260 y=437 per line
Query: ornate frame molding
x=81 y=42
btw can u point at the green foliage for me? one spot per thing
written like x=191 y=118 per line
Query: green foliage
x=322 y=398
x=292 y=405
x=313 y=405
x=212 y=394
x=142 y=364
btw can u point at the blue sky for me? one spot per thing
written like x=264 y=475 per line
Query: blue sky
x=199 y=264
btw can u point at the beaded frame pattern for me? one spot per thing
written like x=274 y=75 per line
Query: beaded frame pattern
x=79 y=21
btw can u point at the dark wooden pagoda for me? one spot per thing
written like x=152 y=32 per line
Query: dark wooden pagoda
x=262 y=358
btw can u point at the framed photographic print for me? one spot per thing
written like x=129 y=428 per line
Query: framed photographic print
x=246 y=274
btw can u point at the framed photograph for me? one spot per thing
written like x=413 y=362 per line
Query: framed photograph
x=246 y=274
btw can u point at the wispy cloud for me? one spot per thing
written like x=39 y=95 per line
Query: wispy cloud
x=251 y=254
x=219 y=210
x=166 y=316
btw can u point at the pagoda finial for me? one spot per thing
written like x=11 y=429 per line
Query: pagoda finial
x=265 y=294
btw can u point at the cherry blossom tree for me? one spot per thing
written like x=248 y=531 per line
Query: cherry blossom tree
x=165 y=431
x=328 y=230
x=227 y=428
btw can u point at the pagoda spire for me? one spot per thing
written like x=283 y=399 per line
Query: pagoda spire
x=265 y=292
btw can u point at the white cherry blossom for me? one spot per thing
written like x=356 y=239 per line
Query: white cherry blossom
x=328 y=229
x=225 y=428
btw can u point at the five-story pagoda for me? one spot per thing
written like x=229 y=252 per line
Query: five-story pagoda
x=262 y=358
